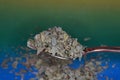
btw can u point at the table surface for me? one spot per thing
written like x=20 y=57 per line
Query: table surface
x=112 y=73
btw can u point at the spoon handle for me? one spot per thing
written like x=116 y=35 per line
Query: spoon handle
x=102 y=49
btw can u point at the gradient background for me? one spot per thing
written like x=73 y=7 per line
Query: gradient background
x=98 y=19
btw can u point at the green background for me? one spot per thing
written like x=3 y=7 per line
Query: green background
x=98 y=19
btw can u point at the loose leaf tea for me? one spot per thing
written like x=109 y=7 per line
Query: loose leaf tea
x=56 y=42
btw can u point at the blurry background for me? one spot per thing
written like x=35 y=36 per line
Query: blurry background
x=97 y=19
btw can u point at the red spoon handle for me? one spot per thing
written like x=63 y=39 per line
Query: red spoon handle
x=102 y=49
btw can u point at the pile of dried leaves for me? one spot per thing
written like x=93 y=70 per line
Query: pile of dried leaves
x=51 y=43
x=51 y=68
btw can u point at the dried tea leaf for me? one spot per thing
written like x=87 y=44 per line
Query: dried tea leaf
x=56 y=41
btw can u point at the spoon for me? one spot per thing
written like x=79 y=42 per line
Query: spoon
x=96 y=49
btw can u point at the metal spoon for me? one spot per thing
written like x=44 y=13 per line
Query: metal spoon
x=96 y=49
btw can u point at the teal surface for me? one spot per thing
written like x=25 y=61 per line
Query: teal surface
x=99 y=20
